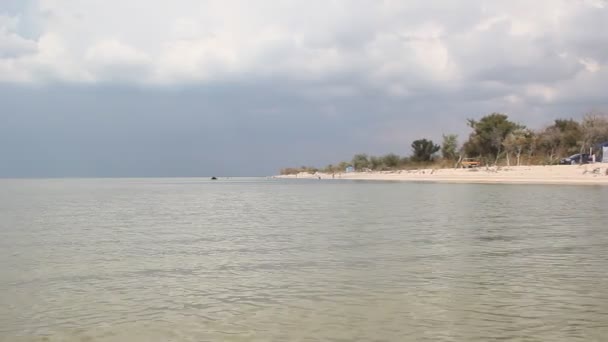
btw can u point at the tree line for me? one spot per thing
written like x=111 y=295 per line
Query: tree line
x=494 y=140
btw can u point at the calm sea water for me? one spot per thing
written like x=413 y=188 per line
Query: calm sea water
x=270 y=260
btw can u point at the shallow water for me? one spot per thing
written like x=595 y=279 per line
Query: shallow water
x=274 y=260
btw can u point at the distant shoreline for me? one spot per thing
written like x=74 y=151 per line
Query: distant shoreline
x=589 y=174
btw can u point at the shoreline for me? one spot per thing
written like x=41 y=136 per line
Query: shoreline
x=588 y=174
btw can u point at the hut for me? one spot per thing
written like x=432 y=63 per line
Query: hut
x=603 y=148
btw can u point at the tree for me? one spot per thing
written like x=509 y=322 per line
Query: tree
x=360 y=161
x=342 y=166
x=489 y=134
x=423 y=150
x=594 y=130
x=570 y=135
x=391 y=160
x=533 y=142
x=549 y=142
x=330 y=169
x=563 y=137
x=449 y=147
x=375 y=163
x=516 y=142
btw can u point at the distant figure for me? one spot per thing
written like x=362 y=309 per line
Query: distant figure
x=319 y=177
x=333 y=175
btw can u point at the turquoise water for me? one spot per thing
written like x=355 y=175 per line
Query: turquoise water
x=277 y=260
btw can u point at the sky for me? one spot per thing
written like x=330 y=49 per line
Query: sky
x=109 y=88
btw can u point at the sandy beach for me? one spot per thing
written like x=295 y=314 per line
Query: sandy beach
x=555 y=174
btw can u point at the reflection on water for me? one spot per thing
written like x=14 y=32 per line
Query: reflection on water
x=262 y=260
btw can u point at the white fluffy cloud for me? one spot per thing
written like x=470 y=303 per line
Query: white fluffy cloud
x=528 y=49
x=13 y=45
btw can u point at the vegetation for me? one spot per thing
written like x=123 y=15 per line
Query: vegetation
x=488 y=136
x=360 y=162
x=423 y=150
x=296 y=170
x=494 y=140
x=391 y=161
x=516 y=142
x=449 y=147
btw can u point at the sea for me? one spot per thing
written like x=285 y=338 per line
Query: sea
x=263 y=259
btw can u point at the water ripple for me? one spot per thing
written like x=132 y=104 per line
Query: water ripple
x=254 y=260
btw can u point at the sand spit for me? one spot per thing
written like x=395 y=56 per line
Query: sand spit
x=554 y=174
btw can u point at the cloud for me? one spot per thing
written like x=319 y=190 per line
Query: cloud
x=13 y=45
x=111 y=60
x=394 y=45
x=355 y=75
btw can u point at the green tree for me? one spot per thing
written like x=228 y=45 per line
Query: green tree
x=360 y=161
x=489 y=134
x=375 y=163
x=330 y=169
x=563 y=137
x=423 y=150
x=570 y=135
x=567 y=136
x=391 y=160
x=449 y=147
x=343 y=165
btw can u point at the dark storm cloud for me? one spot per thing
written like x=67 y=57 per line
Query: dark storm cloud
x=84 y=131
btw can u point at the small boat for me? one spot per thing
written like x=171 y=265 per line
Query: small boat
x=214 y=178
